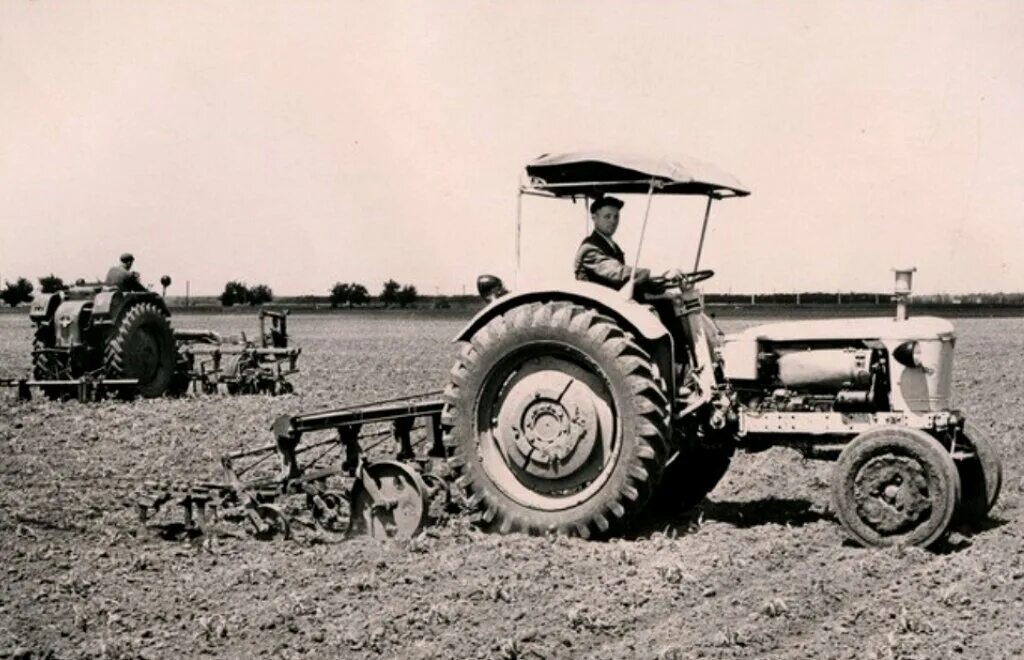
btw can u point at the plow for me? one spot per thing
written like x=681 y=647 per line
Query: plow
x=330 y=484
x=241 y=366
x=91 y=341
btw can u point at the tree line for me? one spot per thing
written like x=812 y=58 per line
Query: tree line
x=20 y=291
x=236 y=292
x=342 y=294
x=353 y=294
x=393 y=293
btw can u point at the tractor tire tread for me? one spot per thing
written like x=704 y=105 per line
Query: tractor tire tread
x=631 y=483
x=115 y=352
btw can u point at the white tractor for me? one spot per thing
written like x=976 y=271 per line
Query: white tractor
x=570 y=407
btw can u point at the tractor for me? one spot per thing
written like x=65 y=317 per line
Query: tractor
x=93 y=329
x=571 y=408
x=90 y=339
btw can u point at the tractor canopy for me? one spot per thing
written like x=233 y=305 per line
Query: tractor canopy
x=595 y=173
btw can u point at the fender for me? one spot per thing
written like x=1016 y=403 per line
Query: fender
x=44 y=306
x=106 y=301
x=640 y=319
x=637 y=317
x=111 y=305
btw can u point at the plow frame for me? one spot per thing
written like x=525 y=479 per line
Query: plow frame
x=385 y=498
x=85 y=388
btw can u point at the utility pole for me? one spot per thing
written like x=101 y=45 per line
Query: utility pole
x=187 y=285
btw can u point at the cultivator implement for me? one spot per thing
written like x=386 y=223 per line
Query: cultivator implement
x=212 y=363
x=331 y=485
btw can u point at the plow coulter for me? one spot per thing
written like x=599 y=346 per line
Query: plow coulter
x=329 y=485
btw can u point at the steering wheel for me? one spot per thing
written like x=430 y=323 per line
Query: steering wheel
x=687 y=279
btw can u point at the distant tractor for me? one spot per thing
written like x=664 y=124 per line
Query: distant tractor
x=93 y=339
x=124 y=335
x=570 y=407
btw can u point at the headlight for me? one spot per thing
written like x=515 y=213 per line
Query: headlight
x=908 y=354
x=490 y=287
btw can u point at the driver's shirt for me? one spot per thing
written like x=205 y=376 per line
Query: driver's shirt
x=125 y=280
x=599 y=259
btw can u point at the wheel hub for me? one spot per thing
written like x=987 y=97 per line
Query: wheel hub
x=144 y=356
x=547 y=425
x=892 y=494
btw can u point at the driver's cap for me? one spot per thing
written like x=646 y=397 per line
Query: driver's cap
x=602 y=202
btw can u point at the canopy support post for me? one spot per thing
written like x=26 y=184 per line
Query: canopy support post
x=519 y=220
x=703 y=230
x=631 y=284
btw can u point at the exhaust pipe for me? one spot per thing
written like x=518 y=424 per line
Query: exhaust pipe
x=902 y=289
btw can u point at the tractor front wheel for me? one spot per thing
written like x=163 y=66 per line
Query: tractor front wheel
x=555 y=421
x=981 y=474
x=47 y=366
x=142 y=347
x=895 y=486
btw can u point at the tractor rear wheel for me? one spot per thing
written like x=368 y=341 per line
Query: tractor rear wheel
x=895 y=486
x=142 y=347
x=555 y=421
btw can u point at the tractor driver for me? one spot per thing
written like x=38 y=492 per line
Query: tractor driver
x=600 y=259
x=123 y=277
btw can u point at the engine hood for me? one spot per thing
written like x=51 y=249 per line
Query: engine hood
x=917 y=327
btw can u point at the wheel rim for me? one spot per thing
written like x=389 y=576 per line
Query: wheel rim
x=892 y=494
x=547 y=428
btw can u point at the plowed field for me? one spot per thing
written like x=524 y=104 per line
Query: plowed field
x=760 y=569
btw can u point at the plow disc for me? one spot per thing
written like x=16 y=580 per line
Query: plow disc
x=390 y=501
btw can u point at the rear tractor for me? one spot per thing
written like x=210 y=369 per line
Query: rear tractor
x=91 y=340
x=571 y=408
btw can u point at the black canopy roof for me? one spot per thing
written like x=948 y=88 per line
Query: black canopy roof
x=594 y=173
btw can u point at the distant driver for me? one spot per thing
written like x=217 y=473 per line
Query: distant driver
x=123 y=277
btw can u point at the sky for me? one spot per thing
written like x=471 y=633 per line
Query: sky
x=299 y=144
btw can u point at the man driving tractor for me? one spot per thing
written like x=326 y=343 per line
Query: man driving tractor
x=599 y=258
x=123 y=277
